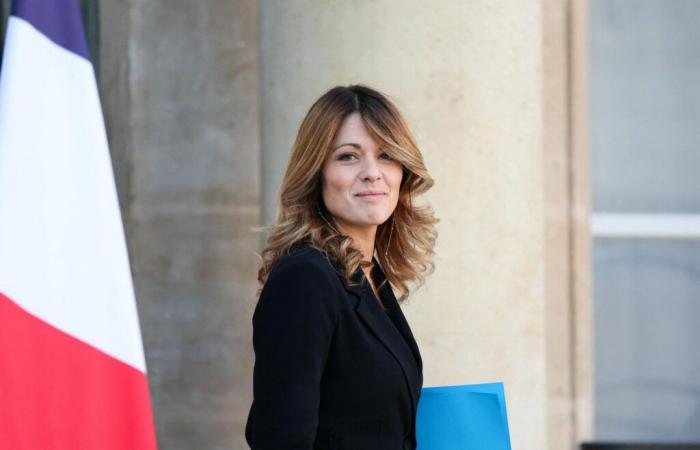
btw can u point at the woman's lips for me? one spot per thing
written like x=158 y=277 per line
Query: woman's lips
x=363 y=193
x=371 y=195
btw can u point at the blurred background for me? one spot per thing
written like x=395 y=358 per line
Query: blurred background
x=563 y=138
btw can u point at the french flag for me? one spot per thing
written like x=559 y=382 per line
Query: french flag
x=72 y=368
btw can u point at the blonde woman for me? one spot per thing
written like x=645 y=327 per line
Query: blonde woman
x=336 y=364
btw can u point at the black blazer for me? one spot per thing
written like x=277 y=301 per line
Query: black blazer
x=333 y=370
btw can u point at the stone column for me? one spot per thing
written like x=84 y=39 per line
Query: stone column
x=481 y=83
x=180 y=93
x=567 y=265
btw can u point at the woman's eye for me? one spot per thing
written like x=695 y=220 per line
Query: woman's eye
x=386 y=156
x=346 y=157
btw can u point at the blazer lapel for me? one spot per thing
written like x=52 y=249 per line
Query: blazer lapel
x=393 y=337
x=395 y=314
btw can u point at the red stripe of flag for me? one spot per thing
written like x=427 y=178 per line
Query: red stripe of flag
x=59 y=393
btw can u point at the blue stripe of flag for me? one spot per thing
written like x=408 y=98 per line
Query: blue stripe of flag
x=59 y=20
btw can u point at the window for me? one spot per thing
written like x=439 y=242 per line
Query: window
x=645 y=169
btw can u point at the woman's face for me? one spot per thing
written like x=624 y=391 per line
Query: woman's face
x=361 y=183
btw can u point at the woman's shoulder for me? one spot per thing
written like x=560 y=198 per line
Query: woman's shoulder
x=301 y=281
x=304 y=261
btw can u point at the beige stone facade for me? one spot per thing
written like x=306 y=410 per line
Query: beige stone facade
x=496 y=95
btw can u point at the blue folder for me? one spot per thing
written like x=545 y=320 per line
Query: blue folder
x=467 y=417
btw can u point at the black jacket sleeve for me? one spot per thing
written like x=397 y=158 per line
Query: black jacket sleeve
x=293 y=325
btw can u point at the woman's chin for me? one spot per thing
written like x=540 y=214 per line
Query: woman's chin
x=376 y=220
x=369 y=219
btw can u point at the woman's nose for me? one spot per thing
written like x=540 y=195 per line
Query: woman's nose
x=370 y=171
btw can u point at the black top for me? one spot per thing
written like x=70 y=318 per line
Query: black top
x=333 y=370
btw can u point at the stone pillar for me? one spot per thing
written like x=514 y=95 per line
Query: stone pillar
x=180 y=93
x=481 y=83
x=567 y=265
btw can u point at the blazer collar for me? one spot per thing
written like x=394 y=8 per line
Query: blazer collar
x=359 y=287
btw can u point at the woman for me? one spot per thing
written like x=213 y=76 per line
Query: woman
x=336 y=364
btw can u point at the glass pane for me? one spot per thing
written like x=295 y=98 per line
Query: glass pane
x=647 y=340
x=645 y=105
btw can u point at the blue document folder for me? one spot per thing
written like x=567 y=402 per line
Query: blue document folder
x=467 y=417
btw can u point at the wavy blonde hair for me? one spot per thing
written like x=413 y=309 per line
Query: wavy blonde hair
x=404 y=243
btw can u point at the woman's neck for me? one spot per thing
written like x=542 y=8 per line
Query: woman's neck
x=365 y=246
x=362 y=239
